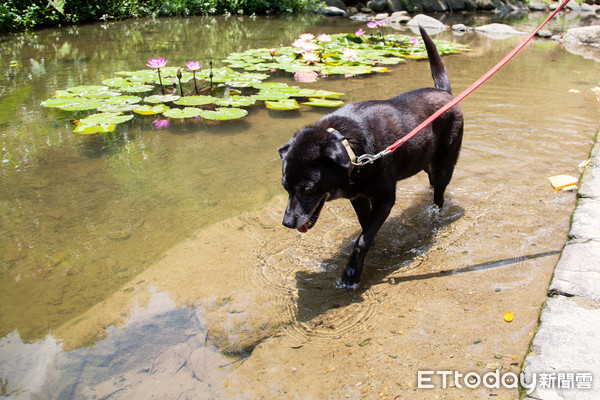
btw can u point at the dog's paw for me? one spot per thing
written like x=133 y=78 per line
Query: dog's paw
x=350 y=278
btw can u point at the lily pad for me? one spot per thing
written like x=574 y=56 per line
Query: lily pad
x=120 y=100
x=270 y=95
x=161 y=98
x=105 y=119
x=224 y=114
x=195 y=100
x=236 y=101
x=91 y=129
x=117 y=108
x=136 y=88
x=270 y=85
x=323 y=103
x=151 y=110
x=187 y=112
x=282 y=105
x=73 y=103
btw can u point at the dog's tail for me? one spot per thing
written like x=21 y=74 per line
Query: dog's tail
x=438 y=70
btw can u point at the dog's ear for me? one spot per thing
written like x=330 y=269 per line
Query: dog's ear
x=284 y=149
x=334 y=151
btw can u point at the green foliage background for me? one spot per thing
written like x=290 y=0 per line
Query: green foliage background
x=28 y=14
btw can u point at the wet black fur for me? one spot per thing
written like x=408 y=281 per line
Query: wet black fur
x=316 y=165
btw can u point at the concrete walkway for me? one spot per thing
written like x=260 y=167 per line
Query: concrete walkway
x=565 y=355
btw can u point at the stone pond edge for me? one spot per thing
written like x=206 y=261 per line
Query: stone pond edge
x=568 y=337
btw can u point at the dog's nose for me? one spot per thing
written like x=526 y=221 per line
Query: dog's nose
x=289 y=221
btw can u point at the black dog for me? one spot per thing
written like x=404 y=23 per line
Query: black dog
x=317 y=166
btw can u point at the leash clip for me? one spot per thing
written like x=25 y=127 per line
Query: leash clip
x=370 y=158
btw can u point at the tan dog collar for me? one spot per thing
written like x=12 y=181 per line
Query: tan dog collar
x=346 y=146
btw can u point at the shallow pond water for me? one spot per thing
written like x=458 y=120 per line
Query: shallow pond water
x=167 y=244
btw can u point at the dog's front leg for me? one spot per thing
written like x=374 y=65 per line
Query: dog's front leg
x=381 y=208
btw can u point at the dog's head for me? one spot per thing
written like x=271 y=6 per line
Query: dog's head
x=315 y=168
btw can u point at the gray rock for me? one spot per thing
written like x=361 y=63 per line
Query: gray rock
x=566 y=341
x=377 y=5
x=336 y=3
x=578 y=270
x=586 y=35
x=399 y=17
x=332 y=12
x=427 y=22
x=485 y=5
x=360 y=17
x=588 y=186
x=544 y=33
x=537 y=5
x=459 y=5
x=460 y=28
x=394 y=6
x=585 y=7
x=434 y=5
x=584 y=225
x=499 y=28
x=573 y=5
x=381 y=16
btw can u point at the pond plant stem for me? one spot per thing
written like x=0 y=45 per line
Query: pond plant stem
x=179 y=79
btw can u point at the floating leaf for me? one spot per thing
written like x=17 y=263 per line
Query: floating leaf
x=121 y=100
x=283 y=105
x=323 y=103
x=116 y=82
x=151 y=110
x=105 y=119
x=195 y=100
x=270 y=85
x=73 y=103
x=161 y=98
x=223 y=114
x=117 y=108
x=269 y=95
x=136 y=88
x=187 y=112
x=83 y=129
x=236 y=101
x=82 y=89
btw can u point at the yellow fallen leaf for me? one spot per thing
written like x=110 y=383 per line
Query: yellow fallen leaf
x=562 y=181
x=508 y=317
x=584 y=164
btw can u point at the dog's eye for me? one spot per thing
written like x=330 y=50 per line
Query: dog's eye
x=308 y=188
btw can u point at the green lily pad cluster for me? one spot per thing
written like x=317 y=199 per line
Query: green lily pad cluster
x=239 y=85
x=345 y=54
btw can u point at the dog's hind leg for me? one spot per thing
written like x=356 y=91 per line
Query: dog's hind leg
x=442 y=167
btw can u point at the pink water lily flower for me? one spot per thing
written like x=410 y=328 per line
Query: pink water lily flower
x=193 y=65
x=306 y=37
x=372 y=24
x=381 y=23
x=161 y=123
x=414 y=40
x=350 y=54
x=310 y=58
x=359 y=32
x=157 y=63
x=324 y=38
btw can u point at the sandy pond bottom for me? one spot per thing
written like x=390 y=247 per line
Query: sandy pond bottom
x=433 y=299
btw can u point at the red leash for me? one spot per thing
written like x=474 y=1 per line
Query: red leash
x=369 y=158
